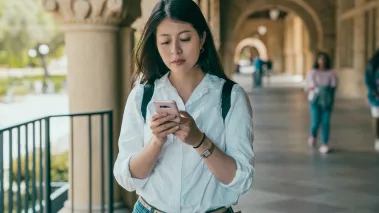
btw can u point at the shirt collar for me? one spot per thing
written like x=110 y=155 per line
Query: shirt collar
x=208 y=83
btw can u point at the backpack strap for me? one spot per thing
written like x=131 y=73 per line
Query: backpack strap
x=148 y=91
x=226 y=97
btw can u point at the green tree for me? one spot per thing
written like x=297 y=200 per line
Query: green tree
x=23 y=24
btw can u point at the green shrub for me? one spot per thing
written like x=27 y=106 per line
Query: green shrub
x=59 y=173
x=3 y=88
x=21 y=90
x=59 y=167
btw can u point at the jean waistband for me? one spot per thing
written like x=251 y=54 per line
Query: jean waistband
x=155 y=210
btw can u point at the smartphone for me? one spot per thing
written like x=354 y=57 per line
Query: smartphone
x=168 y=107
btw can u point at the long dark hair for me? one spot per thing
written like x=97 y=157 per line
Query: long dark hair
x=327 y=61
x=150 y=65
x=373 y=63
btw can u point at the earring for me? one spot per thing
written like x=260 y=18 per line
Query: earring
x=201 y=50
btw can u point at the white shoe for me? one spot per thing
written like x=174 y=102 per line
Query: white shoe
x=377 y=145
x=324 y=149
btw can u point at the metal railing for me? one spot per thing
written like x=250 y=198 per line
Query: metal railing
x=31 y=191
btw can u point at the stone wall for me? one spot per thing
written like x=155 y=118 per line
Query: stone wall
x=318 y=16
x=358 y=37
x=273 y=39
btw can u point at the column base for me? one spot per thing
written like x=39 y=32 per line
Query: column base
x=118 y=208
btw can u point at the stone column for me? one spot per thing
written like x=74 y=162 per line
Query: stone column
x=289 y=45
x=275 y=44
x=306 y=52
x=95 y=82
x=298 y=46
x=204 y=5
x=359 y=40
x=127 y=69
x=370 y=29
x=215 y=21
x=339 y=35
x=360 y=48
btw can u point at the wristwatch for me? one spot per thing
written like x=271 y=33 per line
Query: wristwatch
x=208 y=152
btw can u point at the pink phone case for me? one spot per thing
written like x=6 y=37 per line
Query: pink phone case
x=168 y=107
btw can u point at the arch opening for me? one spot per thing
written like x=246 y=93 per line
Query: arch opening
x=251 y=42
x=293 y=46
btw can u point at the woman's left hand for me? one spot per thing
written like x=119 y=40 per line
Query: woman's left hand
x=188 y=132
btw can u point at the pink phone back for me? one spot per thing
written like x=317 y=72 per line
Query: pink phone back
x=168 y=107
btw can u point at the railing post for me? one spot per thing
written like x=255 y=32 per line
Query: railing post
x=44 y=155
x=90 y=163
x=110 y=160
x=18 y=169
x=10 y=191
x=47 y=166
x=26 y=198
x=1 y=174
x=102 y=163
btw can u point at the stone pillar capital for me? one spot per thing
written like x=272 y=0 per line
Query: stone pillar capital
x=95 y=12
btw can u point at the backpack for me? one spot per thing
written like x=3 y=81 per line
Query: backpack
x=148 y=91
x=324 y=97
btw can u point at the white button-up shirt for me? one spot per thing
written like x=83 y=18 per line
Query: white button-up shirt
x=180 y=180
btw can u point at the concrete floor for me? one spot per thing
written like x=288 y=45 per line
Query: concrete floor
x=292 y=178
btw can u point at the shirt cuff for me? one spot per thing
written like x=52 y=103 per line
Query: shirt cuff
x=242 y=180
x=137 y=183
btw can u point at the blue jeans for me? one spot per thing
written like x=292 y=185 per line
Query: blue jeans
x=257 y=77
x=139 y=208
x=321 y=116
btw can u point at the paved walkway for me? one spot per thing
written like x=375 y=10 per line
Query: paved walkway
x=292 y=178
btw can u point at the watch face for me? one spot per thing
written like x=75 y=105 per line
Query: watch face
x=206 y=153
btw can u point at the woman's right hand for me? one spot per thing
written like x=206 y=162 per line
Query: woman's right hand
x=162 y=126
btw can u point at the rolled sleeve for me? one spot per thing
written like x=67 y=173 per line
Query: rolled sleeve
x=130 y=141
x=334 y=80
x=239 y=141
x=309 y=80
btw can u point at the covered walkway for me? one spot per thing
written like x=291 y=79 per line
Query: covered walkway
x=292 y=178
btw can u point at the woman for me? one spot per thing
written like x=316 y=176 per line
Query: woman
x=258 y=74
x=372 y=84
x=201 y=164
x=321 y=84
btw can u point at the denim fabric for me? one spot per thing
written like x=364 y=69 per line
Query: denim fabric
x=139 y=208
x=321 y=116
x=257 y=77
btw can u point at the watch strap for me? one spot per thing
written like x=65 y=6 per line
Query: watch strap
x=209 y=151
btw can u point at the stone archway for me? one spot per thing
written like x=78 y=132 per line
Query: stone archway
x=253 y=42
x=298 y=7
x=238 y=13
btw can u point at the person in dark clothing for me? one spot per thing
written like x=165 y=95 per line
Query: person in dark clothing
x=258 y=73
x=268 y=69
x=372 y=84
